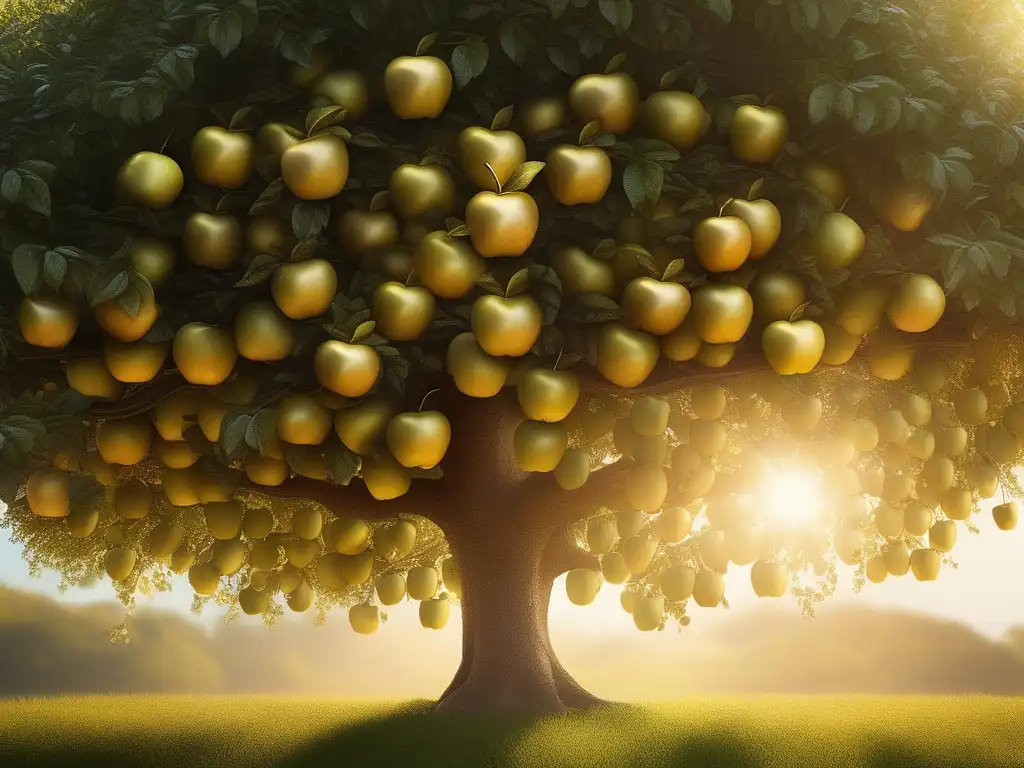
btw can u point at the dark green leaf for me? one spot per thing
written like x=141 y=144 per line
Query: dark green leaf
x=261 y=429
x=723 y=8
x=521 y=177
x=425 y=43
x=10 y=186
x=35 y=193
x=55 y=269
x=268 y=197
x=819 y=104
x=557 y=7
x=342 y=464
x=233 y=432
x=225 y=32
x=516 y=40
x=469 y=60
x=948 y=241
x=324 y=117
x=488 y=282
x=27 y=263
x=518 y=283
x=998 y=258
x=864 y=115
x=259 y=270
x=566 y=59
x=105 y=286
x=642 y=183
x=309 y=219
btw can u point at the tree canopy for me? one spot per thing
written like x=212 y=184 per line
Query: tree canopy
x=340 y=302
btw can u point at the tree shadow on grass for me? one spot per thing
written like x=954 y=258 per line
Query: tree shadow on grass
x=416 y=737
x=888 y=753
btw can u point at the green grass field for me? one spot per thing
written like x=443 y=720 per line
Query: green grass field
x=754 y=732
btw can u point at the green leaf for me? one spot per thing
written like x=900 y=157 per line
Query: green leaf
x=948 y=241
x=502 y=118
x=566 y=59
x=304 y=249
x=819 y=103
x=106 y=286
x=363 y=331
x=27 y=263
x=233 y=431
x=268 y=197
x=55 y=269
x=324 y=117
x=618 y=13
x=380 y=201
x=35 y=193
x=998 y=257
x=516 y=40
x=844 y=103
x=518 y=283
x=10 y=186
x=593 y=308
x=261 y=429
x=488 y=282
x=225 y=32
x=673 y=268
x=557 y=7
x=864 y=115
x=425 y=43
x=309 y=219
x=721 y=8
x=259 y=270
x=959 y=174
x=342 y=464
x=642 y=183
x=130 y=300
x=469 y=60
x=654 y=150
x=41 y=168
x=240 y=118
x=590 y=131
x=521 y=177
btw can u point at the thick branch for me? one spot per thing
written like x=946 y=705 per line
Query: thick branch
x=563 y=508
x=353 y=500
x=561 y=554
x=671 y=376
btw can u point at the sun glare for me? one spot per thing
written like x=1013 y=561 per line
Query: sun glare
x=791 y=498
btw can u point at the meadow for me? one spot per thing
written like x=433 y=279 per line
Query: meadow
x=733 y=732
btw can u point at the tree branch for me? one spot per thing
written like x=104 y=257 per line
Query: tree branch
x=561 y=554
x=563 y=508
x=352 y=500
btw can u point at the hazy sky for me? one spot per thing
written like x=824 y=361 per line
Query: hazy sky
x=984 y=592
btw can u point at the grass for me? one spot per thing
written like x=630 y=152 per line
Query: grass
x=734 y=732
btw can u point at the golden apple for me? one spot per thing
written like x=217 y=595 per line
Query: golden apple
x=90 y=378
x=502 y=225
x=417 y=190
x=613 y=99
x=204 y=354
x=708 y=589
x=119 y=562
x=419 y=439
x=580 y=272
x=825 y=178
x=402 y=312
x=124 y=442
x=153 y=258
x=721 y=313
x=971 y=406
x=888 y=358
x=722 y=243
x=478 y=147
x=150 y=180
x=476 y=373
x=1006 y=515
x=626 y=357
x=212 y=240
x=447 y=266
x=840 y=345
x=222 y=158
x=762 y=219
x=47 y=321
x=302 y=420
x=539 y=445
x=573 y=470
x=263 y=333
x=417 y=86
x=540 y=116
x=793 y=347
x=304 y=289
x=134 y=363
x=925 y=564
x=917 y=304
x=582 y=585
x=907 y=204
x=133 y=500
x=547 y=395
x=358 y=426
x=360 y=231
x=653 y=306
x=275 y=138
x=506 y=327
x=577 y=175
x=349 y=370
x=385 y=478
x=757 y=134
x=776 y=295
x=682 y=344
x=434 y=613
x=315 y=168
x=46 y=491
x=860 y=310
x=343 y=88
x=674 y=117
x=769 y=579
x=836 y=242
x=266 y=233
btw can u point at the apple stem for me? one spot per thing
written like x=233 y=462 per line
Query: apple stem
x=407 y=279
x=724 y=206
x=841 y=207
x=164 y=145
x=497 y=184
x=424 y=400
x=559 y=358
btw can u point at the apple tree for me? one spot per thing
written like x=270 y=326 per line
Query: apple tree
x=336 y=304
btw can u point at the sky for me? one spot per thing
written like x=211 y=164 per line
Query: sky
x=984 y=592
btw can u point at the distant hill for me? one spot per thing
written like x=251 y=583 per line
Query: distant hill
x=48 y=647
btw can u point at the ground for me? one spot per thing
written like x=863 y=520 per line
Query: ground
x=734 y=732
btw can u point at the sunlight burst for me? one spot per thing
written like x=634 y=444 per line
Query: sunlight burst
x=791 y=498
